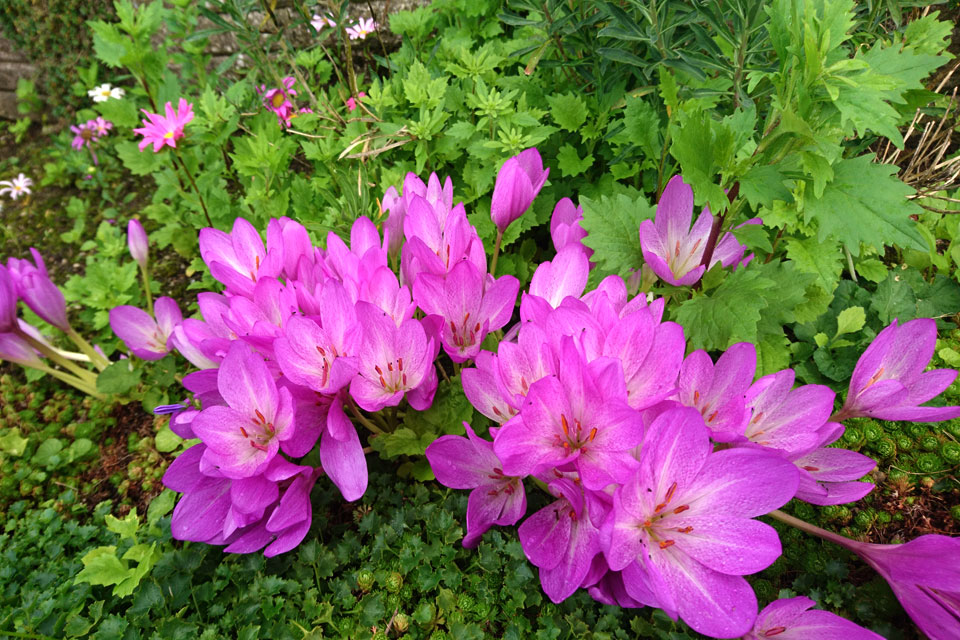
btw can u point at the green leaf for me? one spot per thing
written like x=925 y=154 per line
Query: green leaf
x=872 y=269
x=762 y=185
x=12 y=443
x=642 y=127
x=568 y=111
x=612 y=224
x=728 y=314
x=823 y=259
x=145 y=557
x=166 y=440
x=46 y=452
x=122 y=113
x=125 y=528
x=851 y=320
x=102 y=567
x=421 y=90
x=140 y=163
x=161 y=506
x=950 y=356
x=118 y=378
x=570 y=163
x=704 y=147
x=865 y=202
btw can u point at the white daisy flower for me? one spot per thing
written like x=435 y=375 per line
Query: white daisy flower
x=17 y=187
x=104 y=92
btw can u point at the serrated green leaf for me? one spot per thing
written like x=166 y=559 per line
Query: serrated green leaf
x=865 y=202
x=850 y=320
x=612 y=224
x=893 y=299
x=728 y=314
x=126 y=527
x=762 y=185
x=102 y=567
x=140 y=163
x=822 y=259
x=568 y=111
x=570 y=163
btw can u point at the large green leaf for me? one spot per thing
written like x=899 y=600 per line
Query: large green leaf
x=865 y=202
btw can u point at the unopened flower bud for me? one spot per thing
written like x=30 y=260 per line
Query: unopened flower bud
x=138 y=243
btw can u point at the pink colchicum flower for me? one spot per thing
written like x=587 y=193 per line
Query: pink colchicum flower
x=471 y=303
x=138 y=243
x=165 y=130
x=363 y=28
x=924 y=574
x=674 y=250
x=244 y=436
x=145 y=337
x=36 y=289
x=518 y=183
x=579 y=418
x=681 y=529
x=470 y=463
x=8 y=301
x=889 y=382
x=17 y=187
x=791 y=619
x=562 y=540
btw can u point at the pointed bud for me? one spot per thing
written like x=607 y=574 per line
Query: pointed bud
x=518 y=183
x=137 y=241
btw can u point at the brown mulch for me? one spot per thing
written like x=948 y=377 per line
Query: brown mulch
x=115 y=457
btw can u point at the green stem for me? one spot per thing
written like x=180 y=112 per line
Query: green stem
x=496 y=253
x=98 y=360
x=145 y=273
x=176 y=154
x=363 y=420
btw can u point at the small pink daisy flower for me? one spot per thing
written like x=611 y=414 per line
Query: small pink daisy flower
x=352 y=102
x=278 y=100
x=362 y=29
x=83 y=135
x=102 y=126
x=159 y=130
x=319 y=22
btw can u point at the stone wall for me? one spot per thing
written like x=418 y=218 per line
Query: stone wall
x=14 y=64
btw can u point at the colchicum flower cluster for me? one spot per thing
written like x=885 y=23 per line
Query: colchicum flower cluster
x=658 y=462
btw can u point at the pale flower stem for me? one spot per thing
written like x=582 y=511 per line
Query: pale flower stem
x=80 y=372
x=145 y=273
x=810 y=528
x=73 y=381
x=98 y=360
